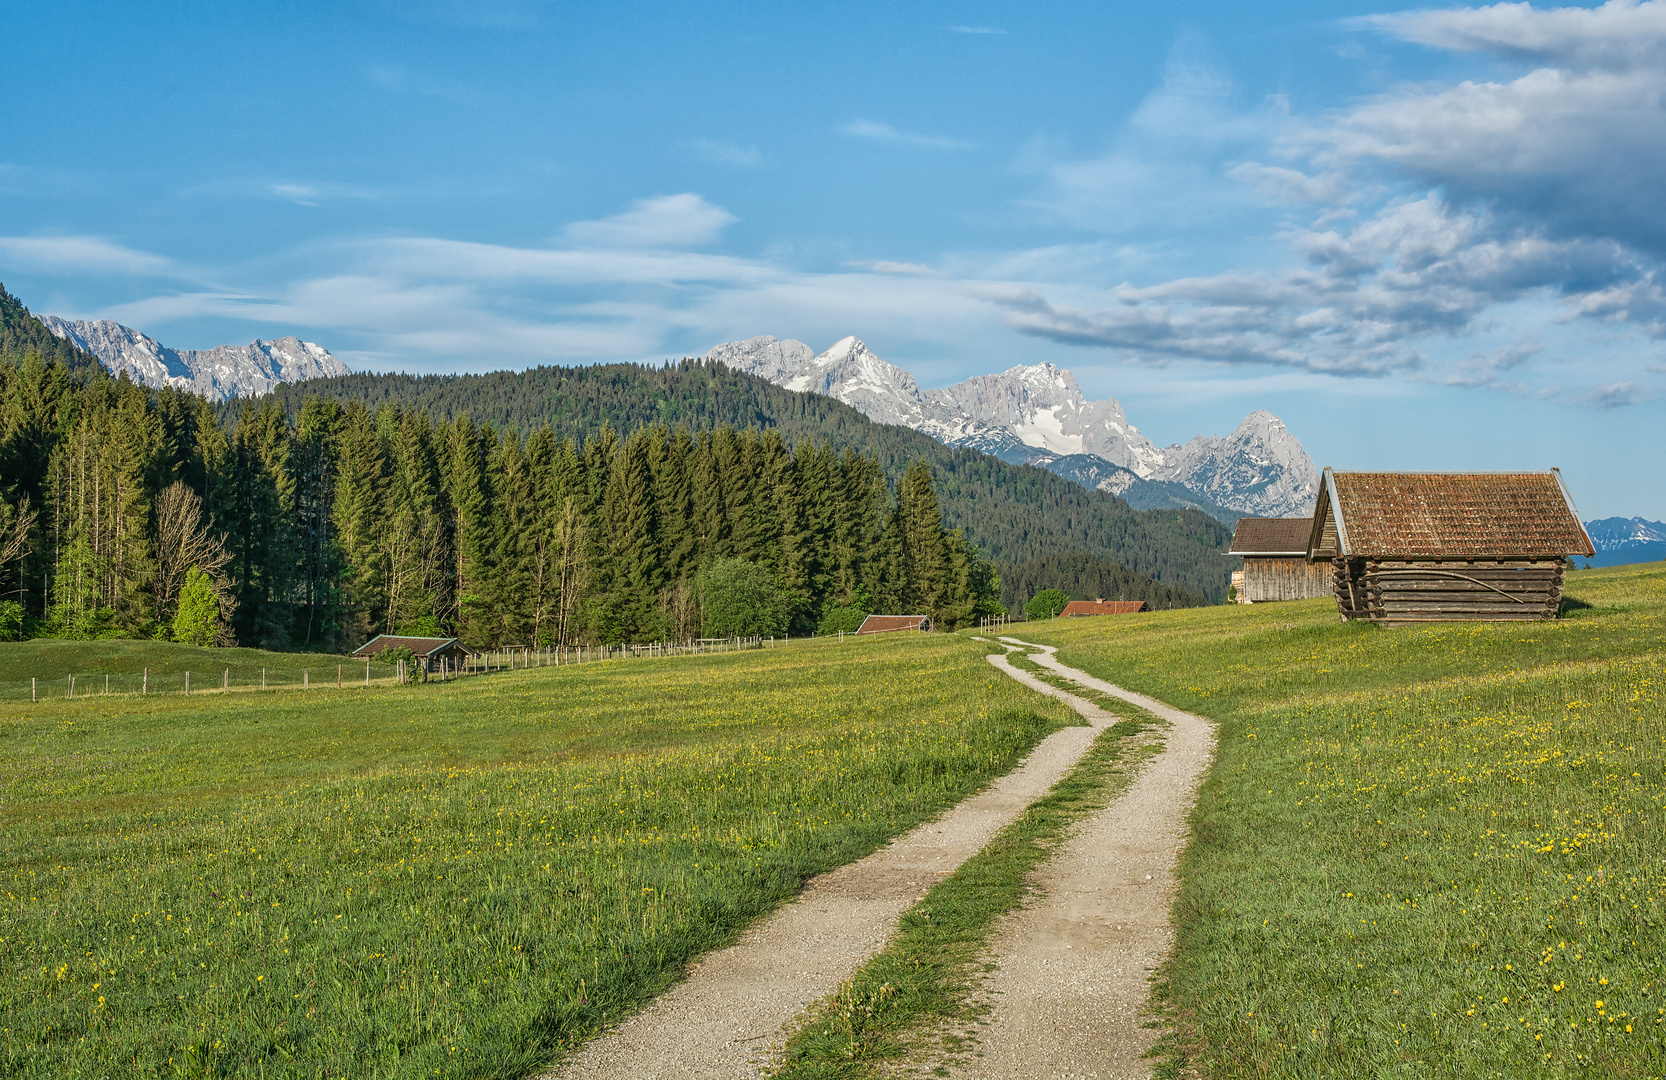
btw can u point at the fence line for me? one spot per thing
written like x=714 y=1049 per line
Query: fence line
x=253 y=679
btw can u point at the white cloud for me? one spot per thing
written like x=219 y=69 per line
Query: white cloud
x=1442 y=212
x=80 y=254
x=1619 y=33
x=664 y=221
x=975 y=30
x=746 y=157
x=869 y=129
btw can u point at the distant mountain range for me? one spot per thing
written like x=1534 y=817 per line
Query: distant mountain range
x=219 y=374
x=1037 y=415
x=1621 y=541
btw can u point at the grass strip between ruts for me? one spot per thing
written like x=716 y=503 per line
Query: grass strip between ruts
x=917 y=997
x=1108 y=702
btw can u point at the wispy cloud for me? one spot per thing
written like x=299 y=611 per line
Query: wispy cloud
x=869 y=129
x=80 y=254
x=745 y=157
x=664 y=221
x=401 y=80
x=975 y=30
x=886 y=266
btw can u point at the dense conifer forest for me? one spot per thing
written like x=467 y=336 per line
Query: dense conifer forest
x=638 y=504
x=1014 y=514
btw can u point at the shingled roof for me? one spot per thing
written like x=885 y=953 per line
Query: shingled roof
x=1271 y=536
x=419 y=646
x=1524 y=515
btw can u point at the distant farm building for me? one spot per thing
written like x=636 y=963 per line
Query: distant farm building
x=429 y=651
x=885 y=624
x=1101 y=607
x=1438 y=547
x=1275 y=561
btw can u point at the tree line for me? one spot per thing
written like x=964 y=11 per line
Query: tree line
x=1015 y=514
x=128 y=511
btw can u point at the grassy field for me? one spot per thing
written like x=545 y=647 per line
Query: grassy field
x=1430 y=852
x=121 y=667
x=452 y=879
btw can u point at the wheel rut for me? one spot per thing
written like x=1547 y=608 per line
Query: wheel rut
x=1068 y=996
x=738 y=1004
x=1072 y=980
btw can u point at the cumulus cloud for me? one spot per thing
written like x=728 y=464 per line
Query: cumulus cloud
x=664 y=221
x=1434 y=208
x=1362 y=305
x=1620 y=33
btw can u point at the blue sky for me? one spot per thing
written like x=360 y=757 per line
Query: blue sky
x=1426 y=239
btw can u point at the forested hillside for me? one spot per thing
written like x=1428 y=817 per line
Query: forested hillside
x=1085 y=577
x=1014 y=514
x=122 y=502
x=21 y=333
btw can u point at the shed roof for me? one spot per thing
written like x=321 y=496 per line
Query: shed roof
x=1271 y=536
x=883 y=624
x=419 y=646
x=1449 y=515
x=1102 y=607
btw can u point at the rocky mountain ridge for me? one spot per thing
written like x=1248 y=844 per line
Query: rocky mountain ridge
x=228 y=371
x=1038 y=415
x=1621 y=541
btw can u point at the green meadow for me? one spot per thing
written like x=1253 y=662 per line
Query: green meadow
x=1422 y=852
x=455 y=879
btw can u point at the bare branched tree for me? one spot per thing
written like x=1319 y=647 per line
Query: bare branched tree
x=15 y=526
x=185 y=537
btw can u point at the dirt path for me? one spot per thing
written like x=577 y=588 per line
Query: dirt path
x=738 y=1003
x=1071 y=984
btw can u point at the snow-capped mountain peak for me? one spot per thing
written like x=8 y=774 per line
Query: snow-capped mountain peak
x=227 y=371
x=1037 y=414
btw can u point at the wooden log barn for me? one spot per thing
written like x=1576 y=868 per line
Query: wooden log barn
x=1079 y=608
x=1275 y=561
x=887 y=624
x=1408 y=548
x=429 y=652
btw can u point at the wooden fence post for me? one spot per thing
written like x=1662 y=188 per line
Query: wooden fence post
x=187 y=684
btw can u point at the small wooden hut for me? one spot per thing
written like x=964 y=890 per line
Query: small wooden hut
x=1275 y=561
x=1077 y=608
x=885 y=624
x=1439 y=547
x=429 y=651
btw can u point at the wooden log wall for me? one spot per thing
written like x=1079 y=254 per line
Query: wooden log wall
x=1285 y=579
x=1410 y=591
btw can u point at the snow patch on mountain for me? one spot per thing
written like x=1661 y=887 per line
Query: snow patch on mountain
x=1622 y=541
x=220 y=373
x=1037 y=414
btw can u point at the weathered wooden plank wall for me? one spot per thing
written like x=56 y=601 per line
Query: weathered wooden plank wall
x=1285 y=579
x=1444 y=591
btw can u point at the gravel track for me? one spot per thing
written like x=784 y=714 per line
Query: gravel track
x=1072 y=980
x=738 y=1004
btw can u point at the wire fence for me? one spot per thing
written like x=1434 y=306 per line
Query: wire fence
x=350 y=674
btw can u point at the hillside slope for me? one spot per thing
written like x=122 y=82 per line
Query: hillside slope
x=1016 y=514
x=22 y=334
